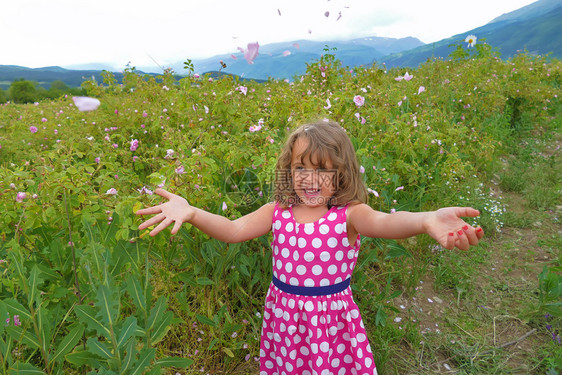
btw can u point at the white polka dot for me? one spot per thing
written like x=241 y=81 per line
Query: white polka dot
x=282 y=327
x=338 y=228
x=283 y=278
x=276 y=250
x=336 y=362
x=351 y=254
x=278 y=312
x=304 y=350
x=300 y=363
x=355 y=313
x=324 y=282
x=324 y=346
x=296 y=255
x=319 y=362
x=332 y=242
x=281 y=238
x=309 y=282
x=344 y=267
x=309 y=306
x=302 y=242
x=309 y=256
x=279 y=361
x=317 y=270
x=292 y=241
x=361 y=337
x=368 y=362
x=294 y=281
x=269 y=364
x=347 y=359
x=286 y=316
x=301 y=270
x=279 y=264
x=291 y=329
x=283 y=351
x=293 y=354
x=314 y=348
x=285 y=252
x=324 y=256
x=333 y=330
x=286 y=214
x=277 y=224
x=342 y=371
x=333 y=216
x=297 y=339
x=332 y=269
x=289 y=227
x=288 y=267
x=341 y=348
x=345 y=242
x=309 y=228
x=339 y=255
x=359 y=353
x=317 y=243
x=289 y=367
x=324 y=229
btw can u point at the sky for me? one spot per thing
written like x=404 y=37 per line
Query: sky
x=38 y=33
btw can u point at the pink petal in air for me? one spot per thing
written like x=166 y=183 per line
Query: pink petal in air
x=234 y=57
x=278 y=11
x=286 y=53
x=327 y=14
x=251 y=52
x=86 y=104
x=296 y=45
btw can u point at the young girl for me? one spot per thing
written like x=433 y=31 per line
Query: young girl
x=311 y=324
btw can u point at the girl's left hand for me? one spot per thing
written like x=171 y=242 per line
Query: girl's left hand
x=446 y=226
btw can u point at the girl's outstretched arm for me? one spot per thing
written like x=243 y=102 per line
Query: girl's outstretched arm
x=444 y=225
x=176 y=210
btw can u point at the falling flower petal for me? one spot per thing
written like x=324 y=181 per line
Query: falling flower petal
x=251 y=52
x=374 y=192
x=339 y=16
x=224 y=206
x=286 y=53
x=399 y=78
x=234 y=57
x=329 y=105
x=361 y=169
x=327 y=14
x=243 y=89
x=408 y=77
x=111 y=191
x=296 y=45
x=279 y=11
x=86 y=104
x=399 y=188
x=421 y=89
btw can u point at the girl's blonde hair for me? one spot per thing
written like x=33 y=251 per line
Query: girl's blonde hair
x=326 y=139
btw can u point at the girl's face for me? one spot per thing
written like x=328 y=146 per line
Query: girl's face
x=313 y=185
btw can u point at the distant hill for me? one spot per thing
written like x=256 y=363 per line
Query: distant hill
x=535 y=28
x=272 y=61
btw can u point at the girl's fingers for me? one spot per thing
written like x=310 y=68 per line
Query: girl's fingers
x=149 y=211
x=470 y=233
x=450 y=242
x=161 y=226
x=150 y=222
x=479 y=233
x=462 y=240
x=177 y=226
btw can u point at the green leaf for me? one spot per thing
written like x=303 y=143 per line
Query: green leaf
x=108 y=305
x=127 y=331
x=98 y=348
x=87 y=315
x=380 y=317
x=174 y=362
x=33 y=281
x=16 y=308
x=81 y=357
x=162 y=327
x=228 y=352
x=395 y=251
x=156 y=313
x=68 y=343
x=146 y=356
x=136 y=292
x=130 y=357
x=205 y=281
x=26 y=337
x=203 y=319
x=25 y=369
x=3 y=316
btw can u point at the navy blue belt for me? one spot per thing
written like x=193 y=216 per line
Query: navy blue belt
x=311 y=290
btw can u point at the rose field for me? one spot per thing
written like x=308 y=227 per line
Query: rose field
x=84 y=291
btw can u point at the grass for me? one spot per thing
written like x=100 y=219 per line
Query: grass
x=480 y=312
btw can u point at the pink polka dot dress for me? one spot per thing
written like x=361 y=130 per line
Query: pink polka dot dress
x=311 y=325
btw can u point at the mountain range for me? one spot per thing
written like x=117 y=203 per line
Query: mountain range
x=535 y=28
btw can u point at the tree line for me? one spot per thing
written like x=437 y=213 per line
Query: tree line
x=24 y=91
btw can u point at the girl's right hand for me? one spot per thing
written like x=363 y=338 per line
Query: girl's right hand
x=176 y=210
